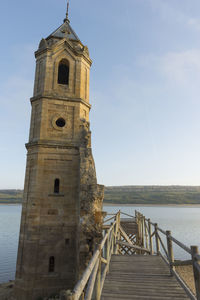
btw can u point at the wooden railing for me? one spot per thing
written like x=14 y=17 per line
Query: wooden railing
x=92 y=280
x=150 y=240
x=160 y=242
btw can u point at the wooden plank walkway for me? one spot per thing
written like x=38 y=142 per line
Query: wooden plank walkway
x=140 y=277
x=129 y=225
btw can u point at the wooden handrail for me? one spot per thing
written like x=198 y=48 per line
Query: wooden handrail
x=107 y=234
x=79 y=287
x=94 y=276
x=161 y=230
x=91 y=282
x=117 y=241
x=111 y=218
x=169 y=259
x=109 y=214
x=184 y=247
x=181 y=282
x=125 y=214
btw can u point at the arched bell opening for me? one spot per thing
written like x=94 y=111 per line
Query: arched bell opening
x=63 y=72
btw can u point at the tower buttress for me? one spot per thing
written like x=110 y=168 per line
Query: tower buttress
x=62 y=203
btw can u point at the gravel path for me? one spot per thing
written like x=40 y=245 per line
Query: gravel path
x=186 y=273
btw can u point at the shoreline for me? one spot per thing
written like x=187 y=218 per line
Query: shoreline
x=126 y=205
x=150 y=205
x=10 y=203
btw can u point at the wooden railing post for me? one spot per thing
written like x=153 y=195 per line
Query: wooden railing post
x=139 y=230
x=116 y=218
x=118 y=235
x=150 y=237
x=117 y=232
x=112 y=240
x=194 y=250
x=108 y=249
x=136 y=216
x=157 y=239
x=98 y=280
x=170 y=251
x=146 y=234
x=138 y=236
x=142 y=221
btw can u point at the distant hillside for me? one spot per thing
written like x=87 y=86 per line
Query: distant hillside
x=11 y=196
x=132 y=195
x=152 y=194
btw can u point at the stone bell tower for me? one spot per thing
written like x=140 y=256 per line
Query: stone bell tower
x=62 y=203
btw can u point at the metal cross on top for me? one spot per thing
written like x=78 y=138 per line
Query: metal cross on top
x=67 y=13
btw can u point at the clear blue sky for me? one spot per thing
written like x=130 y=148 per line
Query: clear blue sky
x=144 y=91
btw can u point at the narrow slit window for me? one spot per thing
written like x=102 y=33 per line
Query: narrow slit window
x=56 y=186
x=67 y=242
x=51 y=264
x=63 y=72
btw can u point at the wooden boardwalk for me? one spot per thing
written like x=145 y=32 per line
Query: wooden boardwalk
x=135 y=260
x=140 y=277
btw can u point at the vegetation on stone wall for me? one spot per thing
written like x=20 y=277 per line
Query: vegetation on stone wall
x=132 y=195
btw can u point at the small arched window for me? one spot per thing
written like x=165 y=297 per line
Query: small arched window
x=51 y=263
x=63 y=72
x=56 y=186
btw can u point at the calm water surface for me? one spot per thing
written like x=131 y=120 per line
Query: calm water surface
x=184 y=222
x=9 y=235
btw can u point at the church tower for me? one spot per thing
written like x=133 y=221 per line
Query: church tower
x=62 y=203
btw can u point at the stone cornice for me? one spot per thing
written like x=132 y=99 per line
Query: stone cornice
x=69 y=46
x=60 y=98
x=41 y=51
x=52 y=144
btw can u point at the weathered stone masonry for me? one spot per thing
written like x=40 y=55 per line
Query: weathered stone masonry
x=62 y=204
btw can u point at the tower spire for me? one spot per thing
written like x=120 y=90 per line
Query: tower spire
x=67 y=13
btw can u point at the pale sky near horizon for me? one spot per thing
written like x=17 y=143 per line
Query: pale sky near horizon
x=144 y=89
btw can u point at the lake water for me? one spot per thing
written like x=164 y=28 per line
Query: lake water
x=9 y=234
x=184 y=222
